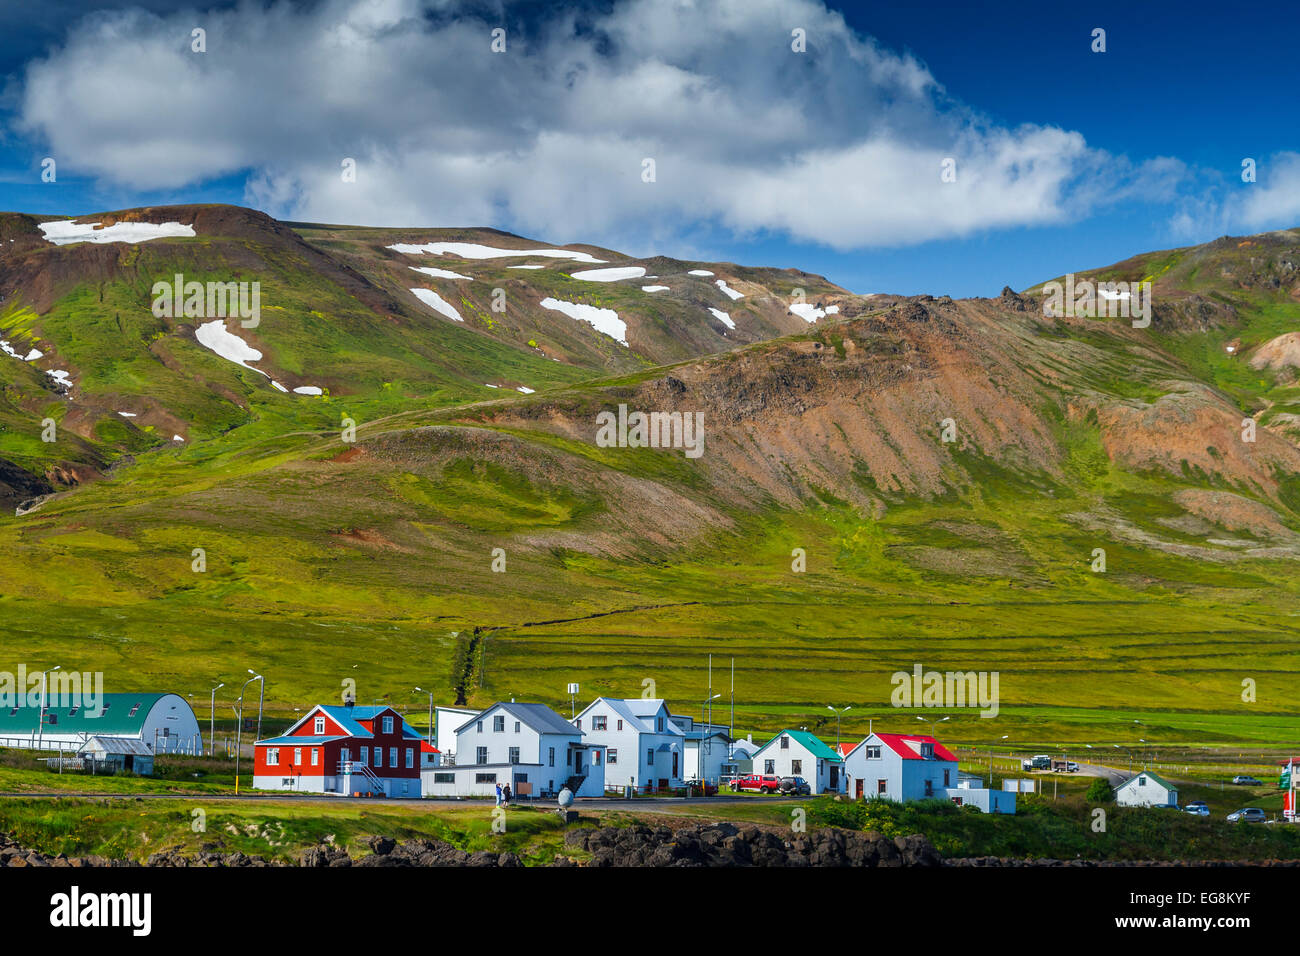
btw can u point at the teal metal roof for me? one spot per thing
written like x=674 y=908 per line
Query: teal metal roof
x=811 y=742
x=119 y=715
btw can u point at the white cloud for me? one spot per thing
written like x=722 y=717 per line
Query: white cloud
x=840 y=145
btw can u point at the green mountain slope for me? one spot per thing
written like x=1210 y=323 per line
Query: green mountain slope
x=483 y=543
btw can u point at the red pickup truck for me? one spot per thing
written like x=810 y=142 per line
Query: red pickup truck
x=758 y=783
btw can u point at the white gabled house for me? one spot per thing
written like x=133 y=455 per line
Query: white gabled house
x=528 y=746
x=645 y=749
x=1145 y=789
x=798 y=753
x=904 y=767
x=899 y=767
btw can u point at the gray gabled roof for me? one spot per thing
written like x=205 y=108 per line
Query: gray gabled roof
x=537 y=716
x=116 y=745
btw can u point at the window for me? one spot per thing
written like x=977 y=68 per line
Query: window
x=480 y=726
x=481 y=755
x=796 y=767
x=392 y=757
x=785 y=742
x=53 y=718
x=444 y=778
x=599 y=723
x=133 y=710
x=881 y=786
x=595 y=758
x=578 y=723
x=273 y=756
x=552 y=757
x=516 y=726
x=388 y=725
x=659 y=725
x=613 y=756
x=929 y=788
x=568 y=758
x=73 y=713
x=379 y=757
x=769 y=766
x=514 y=755
x=410 y=757
x=873 y=752
x=365 y=755
x=1142 y=781
x=320 y=727
x=345 y=754
x=620 y=725
x=499 y=724
x=485 y=778
x=650 y=757
x=927 y=751
x=946 y=771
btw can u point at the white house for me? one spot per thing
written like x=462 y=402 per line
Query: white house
x=797 y=753
x=905 y=767
x=528 y=746
x=899 y=767
x=646 y=749
x=1145 y=789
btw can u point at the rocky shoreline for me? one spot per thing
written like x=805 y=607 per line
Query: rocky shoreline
x=713 y=845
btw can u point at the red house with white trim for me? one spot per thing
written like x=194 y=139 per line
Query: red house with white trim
x=344 y=750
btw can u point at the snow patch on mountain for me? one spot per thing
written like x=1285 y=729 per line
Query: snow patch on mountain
x=437 y=303
x=67 y=232
x=602 y=320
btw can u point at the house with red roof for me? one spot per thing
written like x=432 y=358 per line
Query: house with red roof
x=915 y=767
x=899 y=767
x=345 y=750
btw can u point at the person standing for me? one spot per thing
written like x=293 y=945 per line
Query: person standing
x=498 y=795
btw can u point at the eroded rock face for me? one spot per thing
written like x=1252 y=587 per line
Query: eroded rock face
x=725 y=844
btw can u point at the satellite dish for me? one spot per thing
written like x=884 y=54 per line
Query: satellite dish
x=565 y=799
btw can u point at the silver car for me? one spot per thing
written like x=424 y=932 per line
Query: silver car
x=1247 y=815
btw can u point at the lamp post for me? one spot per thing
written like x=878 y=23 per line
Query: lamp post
x=239 y=731
x=838 y=712
x=430 y=693
x=212 y=718
x=40 y=711
x=933 y=723
x=700 y=747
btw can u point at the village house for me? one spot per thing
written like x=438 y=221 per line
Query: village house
x=798 y=753
x=646 y=749
x=904 y=767
x=899 y=767
x=343 y=750
x=1145 y=789
x=528 y=746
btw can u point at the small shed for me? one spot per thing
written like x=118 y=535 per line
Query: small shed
x=116 y=755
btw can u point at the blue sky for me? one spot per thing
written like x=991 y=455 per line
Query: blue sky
x=826 y=160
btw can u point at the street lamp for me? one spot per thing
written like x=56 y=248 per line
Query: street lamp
x=838 y=712
x=931 y=722
x=239 y=732
x=430 y=693
x=40 y=712
x=212 y=719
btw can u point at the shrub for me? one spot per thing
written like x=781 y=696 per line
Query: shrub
x=1099 y=791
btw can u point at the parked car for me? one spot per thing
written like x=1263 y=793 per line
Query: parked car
x=797 y=786
x=1247 y=815
x=757 y=783
x=1244 y=780
x=1197 y=809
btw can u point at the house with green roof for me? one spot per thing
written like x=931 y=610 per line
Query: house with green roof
x=798 y=753
x=164 y=723
x=1145 y=789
